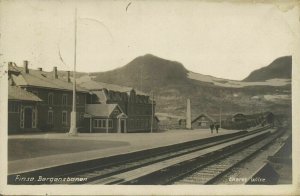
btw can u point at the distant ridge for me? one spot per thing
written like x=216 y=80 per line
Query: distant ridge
x=279 y=68
x=171 y=84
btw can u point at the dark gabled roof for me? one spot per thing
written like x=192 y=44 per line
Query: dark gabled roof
x=17 y=93
x=206 y=115
x=94 y=85
x=252 y=115
x=239 y=114
x=101 y=110
x=42 y=79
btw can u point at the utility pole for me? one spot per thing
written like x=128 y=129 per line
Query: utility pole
x=73 y=126
x=141 y=77
x=220 y=109
x=152 y=111
x=220 y=115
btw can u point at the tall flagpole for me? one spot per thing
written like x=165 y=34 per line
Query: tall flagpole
x=73 y=126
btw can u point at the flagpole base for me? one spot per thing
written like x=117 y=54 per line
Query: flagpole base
x=73 y=129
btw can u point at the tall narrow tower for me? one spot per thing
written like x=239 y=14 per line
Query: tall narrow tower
x=188 y=114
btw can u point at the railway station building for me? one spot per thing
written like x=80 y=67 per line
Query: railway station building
x=42 y=101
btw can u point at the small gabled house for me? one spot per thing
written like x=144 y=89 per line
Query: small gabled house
x=136 y=105
x=203 y=121
x=105 y=118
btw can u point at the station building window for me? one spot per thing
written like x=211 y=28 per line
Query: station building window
x=64 y=99
x=77 y=100
x=13 y=108
x=64 y=118
x=101 y=123
x=110 y=123
x=147 y=123
x=142 y=123
x=50 y=98
x=50 y=117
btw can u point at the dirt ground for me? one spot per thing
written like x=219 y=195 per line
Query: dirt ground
x=38 y=147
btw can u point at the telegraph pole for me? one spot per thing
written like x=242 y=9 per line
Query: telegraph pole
x=220 y=109
x=220 y=115
x=152 y=112
x=73 y=126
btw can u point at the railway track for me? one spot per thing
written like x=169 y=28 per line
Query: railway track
x=165 y=172
x=212 y=172
x=182 y=169
x=106 y=173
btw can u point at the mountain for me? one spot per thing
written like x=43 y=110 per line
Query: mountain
x=172 y=84
x=149 y=71
x=145 y=72
x=279 y=68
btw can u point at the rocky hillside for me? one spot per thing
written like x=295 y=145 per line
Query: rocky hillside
x=279 y=68
x=172 y=84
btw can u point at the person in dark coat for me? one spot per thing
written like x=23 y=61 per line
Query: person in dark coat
x=212 y=128
x=217 y=127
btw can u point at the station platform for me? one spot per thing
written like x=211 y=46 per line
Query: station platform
x=28 y=152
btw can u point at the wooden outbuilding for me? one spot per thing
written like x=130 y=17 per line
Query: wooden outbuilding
x=203 y=121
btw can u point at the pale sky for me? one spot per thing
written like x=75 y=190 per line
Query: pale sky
x=226 y=40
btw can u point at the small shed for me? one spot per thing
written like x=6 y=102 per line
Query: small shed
x=203 y=121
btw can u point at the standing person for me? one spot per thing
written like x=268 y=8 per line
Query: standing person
x=217 y=128
x=211 y=128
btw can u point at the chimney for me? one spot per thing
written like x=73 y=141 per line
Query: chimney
x=40 y=69
x=68 y=76
x=188 y=114
x=55 y=72
x=25 y=64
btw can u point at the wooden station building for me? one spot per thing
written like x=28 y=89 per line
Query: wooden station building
x=42 y=101
x=39 y=100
